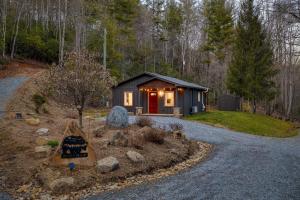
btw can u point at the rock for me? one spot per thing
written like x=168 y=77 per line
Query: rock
x=98 y=132
x=45 y=197
x=61 y=184
x=107 y=164
x=43 y=131
x=42 y=151
x=135 y=156
x=118 y=117
x=40 y=141
x=119 y=139
x=24 y=188
x=144 y=131
x=48 y=175
x=32 y=121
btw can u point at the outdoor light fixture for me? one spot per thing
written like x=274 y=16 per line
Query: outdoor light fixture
x=161 y=93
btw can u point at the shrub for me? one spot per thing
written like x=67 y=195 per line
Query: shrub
x=38 y=100
x=176 y=127
x=53 y=143
x=144 y=121
x=156 y=136
x=137 y=141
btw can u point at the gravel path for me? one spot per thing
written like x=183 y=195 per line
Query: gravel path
x=242 y=166
x=7 y=87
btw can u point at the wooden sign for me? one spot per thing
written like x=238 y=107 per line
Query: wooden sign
x=74 y=147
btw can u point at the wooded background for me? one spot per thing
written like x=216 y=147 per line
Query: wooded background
x=189 y=39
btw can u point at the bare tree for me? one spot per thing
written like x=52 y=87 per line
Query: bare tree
x=80 y=79
x=4 y=14
x=19 y=11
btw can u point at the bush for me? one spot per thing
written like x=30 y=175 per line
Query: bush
x=53 y=143
x=144 y=121
x=156 y=136
x=137 y=141
x=176 y=127
x=38 y=100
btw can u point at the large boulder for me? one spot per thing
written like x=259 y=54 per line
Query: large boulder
x=118 y=117
x=135 y=156
x=107 y=164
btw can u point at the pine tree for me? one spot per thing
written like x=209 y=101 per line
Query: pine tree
x=219 y=27
x=251 y=70
x=219 y=30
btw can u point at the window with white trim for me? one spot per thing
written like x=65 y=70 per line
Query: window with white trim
x=169 y=98
x=128 y=98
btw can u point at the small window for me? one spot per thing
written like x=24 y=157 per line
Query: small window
x=199 y=96
x=169 y=98
x=128 y=98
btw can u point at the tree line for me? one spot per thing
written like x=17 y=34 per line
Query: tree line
x=247 y=48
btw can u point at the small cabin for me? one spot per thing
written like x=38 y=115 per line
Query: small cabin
x=155 y=94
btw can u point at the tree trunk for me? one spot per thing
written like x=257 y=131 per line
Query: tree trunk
x=254 y=106
x=241 y=104
x=4 y=13
x=80 y=118
x=63 y=32
x=16 y=32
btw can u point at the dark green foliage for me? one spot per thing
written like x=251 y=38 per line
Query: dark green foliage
x=38 y=100
x=219 y=27
x=251 y=70
x=53 y=143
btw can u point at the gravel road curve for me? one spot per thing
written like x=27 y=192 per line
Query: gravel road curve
x=242 y=166
x=7 y=87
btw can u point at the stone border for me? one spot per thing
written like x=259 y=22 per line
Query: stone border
x=204 y=151
x=38 y=193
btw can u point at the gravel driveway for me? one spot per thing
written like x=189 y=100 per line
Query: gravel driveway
x=7 y=87
x=242 y=166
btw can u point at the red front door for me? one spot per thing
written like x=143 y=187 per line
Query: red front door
x=153 y=102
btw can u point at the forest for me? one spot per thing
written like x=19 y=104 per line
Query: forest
x=249 y=48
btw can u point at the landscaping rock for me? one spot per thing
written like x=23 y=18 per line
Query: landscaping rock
x=144 y=131
x=42 y=151
x=40 y=141
x=118 y=117
x=32 y=121
x=98 y=132
x=43 y=131
x=135 y=156
x=119 y=139
x=61 y=184
x=46 y=197
x=107 y=164
x=47 y=176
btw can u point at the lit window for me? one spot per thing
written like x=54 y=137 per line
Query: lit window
x=128 y=100
x=169 y=98
x=199 y=96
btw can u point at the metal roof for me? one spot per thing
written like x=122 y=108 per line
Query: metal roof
x=169 y=79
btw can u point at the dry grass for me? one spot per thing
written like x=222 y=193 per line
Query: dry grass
x=143 y=121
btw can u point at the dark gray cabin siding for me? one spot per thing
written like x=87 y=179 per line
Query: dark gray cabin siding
x=131 y=85
x=186 y=99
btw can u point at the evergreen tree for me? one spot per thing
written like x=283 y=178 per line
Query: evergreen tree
x=219 y=30
x=219 y=27
x=251 y=70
